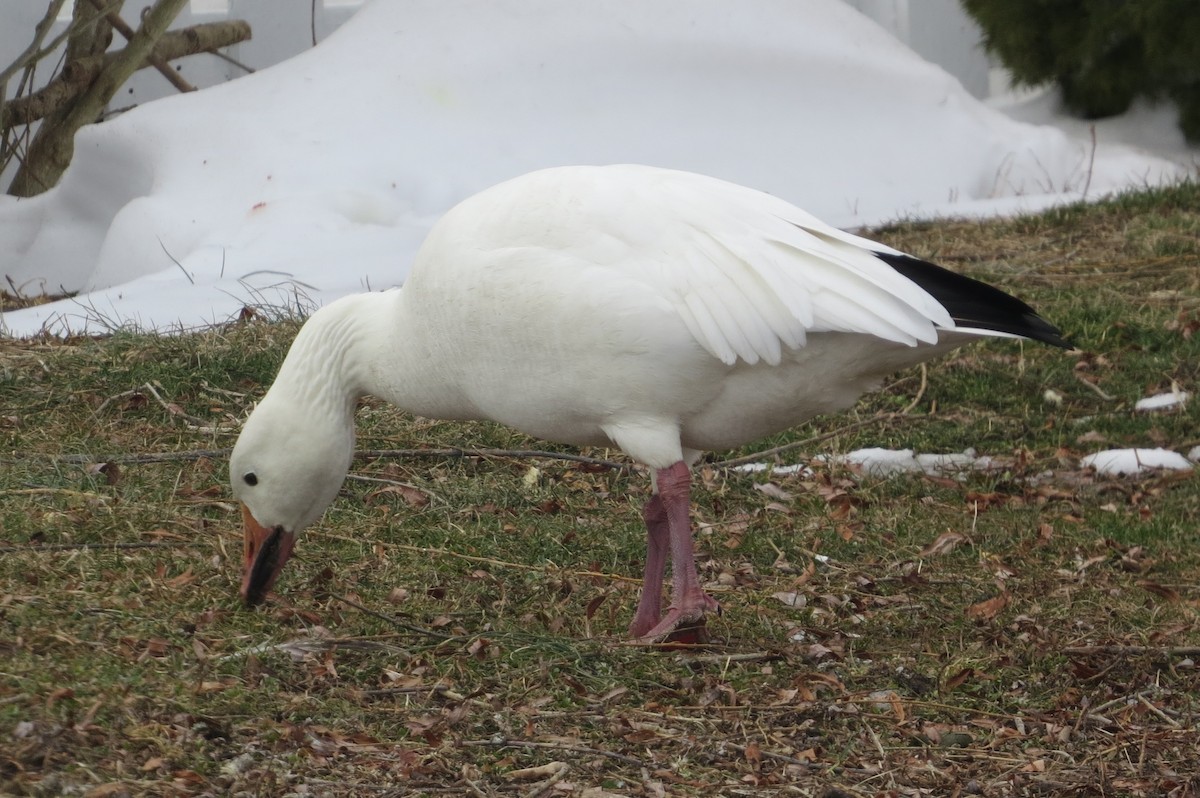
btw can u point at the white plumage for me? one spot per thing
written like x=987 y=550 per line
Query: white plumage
x=664 y=312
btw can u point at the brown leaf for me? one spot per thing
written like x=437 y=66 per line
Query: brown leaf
x=162 y=534
x=537 y=772
x=818 y=651
x=841 y=507
x=183 y=579
x=188 y=776
x=111 y=471
x=958 y=679
x=423 y=724
x=981 y=501
x=135 y=402
x=736 y=527
x=478 y=648
x=157 y=647
x=945 y=543
x=211 y=687
x=791 y=599
x=989 y=608
x=773 y=490
x=594 y=605
x=58 y=695
x=1162 y=591
x=415 y=497
x=616 y=692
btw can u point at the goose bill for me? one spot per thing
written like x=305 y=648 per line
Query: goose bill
x=266 y=551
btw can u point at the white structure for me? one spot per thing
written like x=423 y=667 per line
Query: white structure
x=939 y=31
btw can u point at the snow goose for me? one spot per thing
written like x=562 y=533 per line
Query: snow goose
x=663 y=312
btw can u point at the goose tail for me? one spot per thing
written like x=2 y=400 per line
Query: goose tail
x=976 y=307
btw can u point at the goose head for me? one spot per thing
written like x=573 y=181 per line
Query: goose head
x=286 y=468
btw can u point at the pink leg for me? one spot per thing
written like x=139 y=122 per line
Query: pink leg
x=649 y=609
x=689 y=602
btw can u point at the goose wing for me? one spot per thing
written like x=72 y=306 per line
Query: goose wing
x=750 y=274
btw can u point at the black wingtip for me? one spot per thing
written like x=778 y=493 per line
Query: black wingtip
x=972 y=303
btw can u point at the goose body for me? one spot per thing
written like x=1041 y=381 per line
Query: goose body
x=663 y=312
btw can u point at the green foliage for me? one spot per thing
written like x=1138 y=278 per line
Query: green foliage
x=1102 y=53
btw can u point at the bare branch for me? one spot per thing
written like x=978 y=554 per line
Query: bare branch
x=78 y=75
x=173 y=77
x=54 y=144
x=34 y=51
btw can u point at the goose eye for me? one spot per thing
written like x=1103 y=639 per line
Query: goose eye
x=250 y=478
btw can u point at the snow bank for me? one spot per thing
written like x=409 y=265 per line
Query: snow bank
x=1135 y=461
x=1162 y=401
x=319 y=177
x=881 y=463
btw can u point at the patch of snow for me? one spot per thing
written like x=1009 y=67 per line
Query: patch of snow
x=1162 y=401
x=320 y=176
x=756 y=468
x=1135 y=461
x=1194 y=454
x=878 y=462
x=952 y=463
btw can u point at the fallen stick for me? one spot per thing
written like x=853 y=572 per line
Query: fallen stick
x=501 y=742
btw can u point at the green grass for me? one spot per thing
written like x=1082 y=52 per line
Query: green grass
x=434 y=648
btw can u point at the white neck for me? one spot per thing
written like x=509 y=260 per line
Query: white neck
x=366 y=344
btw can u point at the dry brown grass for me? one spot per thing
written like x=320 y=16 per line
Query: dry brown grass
x=457 y=629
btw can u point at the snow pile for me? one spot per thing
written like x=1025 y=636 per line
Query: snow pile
x=882 y=463
x=781 y=470
x=1135 y=461
x=1163 y=401
x=879 y=462
x=320 y=176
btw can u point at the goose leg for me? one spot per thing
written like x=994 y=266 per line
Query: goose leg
x=649 y=609
x=689 y=602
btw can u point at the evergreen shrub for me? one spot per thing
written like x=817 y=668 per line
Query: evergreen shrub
x=1101 y=53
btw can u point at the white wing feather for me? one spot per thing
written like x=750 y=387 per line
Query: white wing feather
x=750 y=274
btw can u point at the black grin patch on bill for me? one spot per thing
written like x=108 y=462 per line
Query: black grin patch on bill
x=264 y=567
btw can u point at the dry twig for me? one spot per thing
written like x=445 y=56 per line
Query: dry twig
x=501 y=742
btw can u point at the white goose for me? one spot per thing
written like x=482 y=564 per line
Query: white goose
x=663 y=312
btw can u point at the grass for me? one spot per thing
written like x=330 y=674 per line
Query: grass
x=1029 y=631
